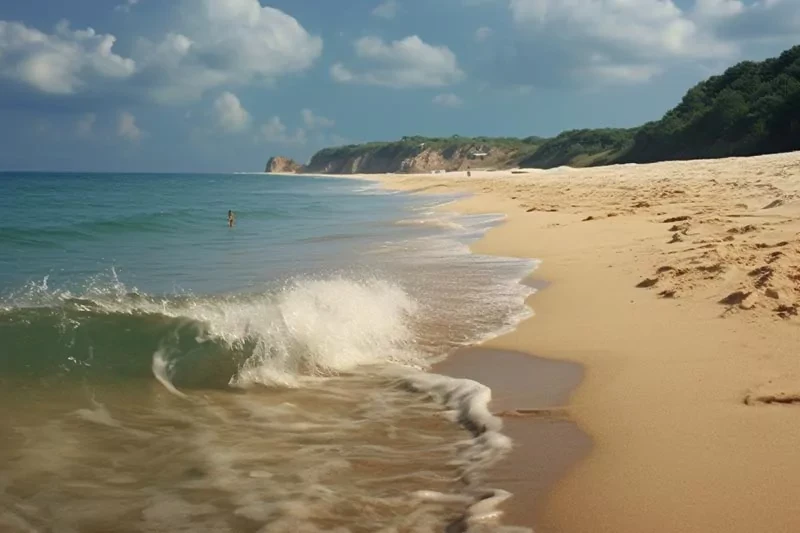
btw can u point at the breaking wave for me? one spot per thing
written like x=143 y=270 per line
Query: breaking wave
x=308 y=327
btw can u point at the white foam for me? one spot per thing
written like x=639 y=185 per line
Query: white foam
x=468 y=404
x=311 y=327
x=444 y=222
x=376 y=188
x=331 y=326
x=161 y=369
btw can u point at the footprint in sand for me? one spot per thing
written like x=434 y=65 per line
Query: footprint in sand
x=773 y=204
x=768 y=399
x=682 y=228
x=676 y=219
x=764 y=274
x=744 y=299
x=744 y=229
x=787 y=311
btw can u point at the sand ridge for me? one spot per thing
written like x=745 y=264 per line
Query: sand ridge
x=677 y=286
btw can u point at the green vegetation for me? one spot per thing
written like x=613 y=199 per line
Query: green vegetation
x=581 y=148
x=514 y=148
x=752 y=108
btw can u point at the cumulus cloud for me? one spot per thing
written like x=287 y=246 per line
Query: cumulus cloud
x=409 y=62
x=632 y=41
x=315 y=122
x=213 y=43
x=275 y=131
x=231 y=42
x=60 y=63
x=386 y=9
x=229 y=113
x=448 y=100
x=483 y=33
x=644 y=29
x=127 y=128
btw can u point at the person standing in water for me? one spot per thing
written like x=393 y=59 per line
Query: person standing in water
x=231 y=218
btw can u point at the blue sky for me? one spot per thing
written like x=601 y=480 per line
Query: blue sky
x=220 y=85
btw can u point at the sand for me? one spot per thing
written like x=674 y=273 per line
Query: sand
x=676 y=285
x=529 y=394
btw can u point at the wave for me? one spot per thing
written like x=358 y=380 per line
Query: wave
x=308 y=327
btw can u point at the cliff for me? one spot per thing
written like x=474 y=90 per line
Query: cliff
x=420 y=155
x=425 y=154
x=283 y=165
x=752 y=108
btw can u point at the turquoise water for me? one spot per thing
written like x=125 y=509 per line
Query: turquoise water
x=160 y=371
x=169 y=232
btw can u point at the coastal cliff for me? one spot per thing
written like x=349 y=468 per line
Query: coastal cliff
x=753 y=108
x=283 y=165
x=420 y=155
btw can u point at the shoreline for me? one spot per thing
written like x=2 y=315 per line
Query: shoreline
x=676 y=286
x=529 y=395
x=531 y=418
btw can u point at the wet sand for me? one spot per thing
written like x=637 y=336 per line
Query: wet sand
x=530 y=394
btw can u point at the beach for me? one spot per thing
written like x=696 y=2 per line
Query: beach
x=676 y=287
x=643 y=370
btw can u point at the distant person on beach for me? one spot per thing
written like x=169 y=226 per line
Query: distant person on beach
x=231 y=218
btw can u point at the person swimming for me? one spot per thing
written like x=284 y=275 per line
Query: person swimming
x=231 y=218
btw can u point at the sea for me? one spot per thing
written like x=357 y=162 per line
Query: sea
x=161 y=371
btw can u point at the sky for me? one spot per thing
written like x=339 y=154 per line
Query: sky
x=222 y=85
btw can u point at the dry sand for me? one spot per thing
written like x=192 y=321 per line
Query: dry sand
x=677 y=286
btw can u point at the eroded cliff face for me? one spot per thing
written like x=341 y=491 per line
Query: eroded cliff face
x=282 y=165
x=421 y=160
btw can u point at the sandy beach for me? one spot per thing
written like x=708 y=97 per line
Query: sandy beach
x=676 y=286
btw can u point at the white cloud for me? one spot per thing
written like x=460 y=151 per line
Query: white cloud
x=409 y=62
x=386 y=9
x=226 y=42
x=126 y=6
x=315 y=122
x=229 y=113
x=631 y=41
x=84 y=126
x=448 y=100
x=483 y=33
x=645 y=28
x=127 y=128
x=275 y=131
x=60 y=63
x=213 y=43
x=761 y=20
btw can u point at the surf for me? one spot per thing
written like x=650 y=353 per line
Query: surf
x=307 y=327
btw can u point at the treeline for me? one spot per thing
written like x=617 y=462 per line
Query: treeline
x=753 y=108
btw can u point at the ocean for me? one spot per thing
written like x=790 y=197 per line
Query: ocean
x=161 y=371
